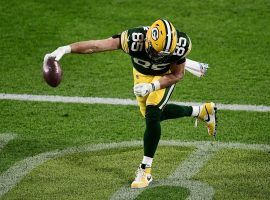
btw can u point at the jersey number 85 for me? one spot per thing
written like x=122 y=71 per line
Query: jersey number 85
x=138 y=40
x=180 y=47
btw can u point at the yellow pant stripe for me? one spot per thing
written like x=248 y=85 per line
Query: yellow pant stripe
x=167 y=97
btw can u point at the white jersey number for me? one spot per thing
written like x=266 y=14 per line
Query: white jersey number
x=138 y=40
x=148 y=65
x=180 y=47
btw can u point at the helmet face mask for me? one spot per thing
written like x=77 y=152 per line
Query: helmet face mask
x=160 y=40
x=158 y=57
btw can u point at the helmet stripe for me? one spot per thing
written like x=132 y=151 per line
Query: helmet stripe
x=171 y=37
x=168 y=43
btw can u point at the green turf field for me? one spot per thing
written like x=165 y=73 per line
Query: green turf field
x=232 y=36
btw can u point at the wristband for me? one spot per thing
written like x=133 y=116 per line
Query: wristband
x=155 y=85
x=67 y=49
x=60 y=52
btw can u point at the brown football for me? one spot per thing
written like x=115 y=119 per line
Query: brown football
x=52 y=72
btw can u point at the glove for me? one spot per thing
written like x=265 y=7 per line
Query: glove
x=58 y=53
x=143 y=89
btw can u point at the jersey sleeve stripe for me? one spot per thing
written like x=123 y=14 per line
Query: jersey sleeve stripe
x=189 y=47
x=124 y=41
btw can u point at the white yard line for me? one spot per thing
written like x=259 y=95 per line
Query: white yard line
x=198 y=190
x=181 y=177
x=117 y=101
x=5 y=138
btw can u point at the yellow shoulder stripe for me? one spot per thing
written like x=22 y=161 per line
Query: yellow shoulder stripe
x=189 y=47
x=124 y=41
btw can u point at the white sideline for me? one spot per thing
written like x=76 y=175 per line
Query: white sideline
x=198 y=190
x=117 y=101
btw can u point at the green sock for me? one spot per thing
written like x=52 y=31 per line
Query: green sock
x=153 y=117
x=152 y=131
x=172 y=111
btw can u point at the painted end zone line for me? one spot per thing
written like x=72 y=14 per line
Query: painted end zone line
x=116 y=101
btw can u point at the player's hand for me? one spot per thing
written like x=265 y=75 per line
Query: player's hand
x=58 y=53
x=143 y=89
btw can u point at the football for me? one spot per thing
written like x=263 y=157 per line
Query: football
x=52 y=72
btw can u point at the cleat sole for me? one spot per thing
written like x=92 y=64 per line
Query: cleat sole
x=216 y=121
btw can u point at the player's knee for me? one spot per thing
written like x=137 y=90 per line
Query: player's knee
x=152 y=114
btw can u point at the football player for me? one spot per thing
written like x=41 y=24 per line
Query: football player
x=158 y=54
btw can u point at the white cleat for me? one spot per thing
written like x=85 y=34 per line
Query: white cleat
x=143 y=178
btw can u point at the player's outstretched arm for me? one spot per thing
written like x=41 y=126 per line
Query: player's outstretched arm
x=85 y=47
x=93 y=46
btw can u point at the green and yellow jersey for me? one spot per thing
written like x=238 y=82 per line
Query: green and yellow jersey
x=133 y=43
